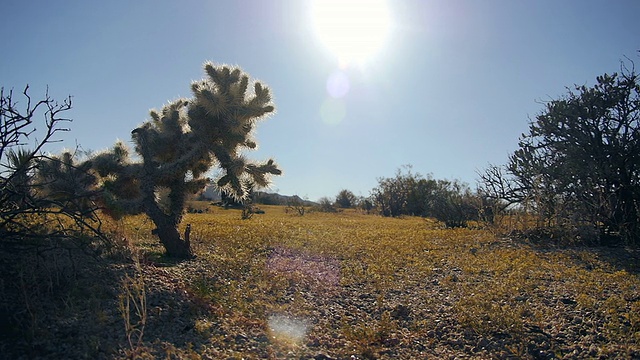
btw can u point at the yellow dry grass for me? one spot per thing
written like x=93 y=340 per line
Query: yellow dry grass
x=363 y=284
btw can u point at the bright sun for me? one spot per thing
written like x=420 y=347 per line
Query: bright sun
x=353 y=30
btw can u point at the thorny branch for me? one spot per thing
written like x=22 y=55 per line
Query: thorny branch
x=23 y=194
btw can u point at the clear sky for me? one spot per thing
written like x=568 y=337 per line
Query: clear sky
x=448 y=87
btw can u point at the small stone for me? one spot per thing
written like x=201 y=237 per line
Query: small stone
x=322 y=356
x=484 y=343
x=456 y=344
x=568 y=301
x=419 y=346
x=401 y=312
x=391 y=342
x=262 y=338
x=241 y=339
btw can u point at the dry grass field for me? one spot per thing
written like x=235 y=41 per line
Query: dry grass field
x=335 y=286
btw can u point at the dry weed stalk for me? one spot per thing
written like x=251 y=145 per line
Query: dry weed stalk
x=133 y=307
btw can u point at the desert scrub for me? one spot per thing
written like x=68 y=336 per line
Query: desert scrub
x=366 y=285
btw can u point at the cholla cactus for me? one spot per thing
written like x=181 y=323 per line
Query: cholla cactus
x=180 y=144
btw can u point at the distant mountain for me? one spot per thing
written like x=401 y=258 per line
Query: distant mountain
x=261 y=197
x=211 y=193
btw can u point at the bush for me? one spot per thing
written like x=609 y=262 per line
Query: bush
x=454 y=204
x=325 y=205
x=451 y=202
x=580 y=161
x=296 y=205
x=43 y=198
x=345 y=199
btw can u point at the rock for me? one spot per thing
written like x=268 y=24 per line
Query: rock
x=418 y=345
x=568 y=301
x=391 y=342
x=322 y=356
x=483 y=343
x=456 y=344
x=401 y=312
x=262 y=338
x=241 y=339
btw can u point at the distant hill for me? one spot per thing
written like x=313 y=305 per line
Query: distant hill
x=261 y=197
x=211 y=193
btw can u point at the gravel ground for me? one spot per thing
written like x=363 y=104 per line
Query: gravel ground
x=73 y=312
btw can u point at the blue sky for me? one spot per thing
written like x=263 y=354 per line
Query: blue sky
x=450 y=91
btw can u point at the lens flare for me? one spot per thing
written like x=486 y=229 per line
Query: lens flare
x=338 y=84
x=287 y=330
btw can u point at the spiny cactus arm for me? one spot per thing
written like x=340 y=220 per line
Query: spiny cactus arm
x=259 y=173
x=261 y=98
x=196 y=153
x=239 y=89
x=210 y=100
x=119 y=179
x=251 y=110
x=233 y=167
x=112 y=161
x=250 y=144
x=201 y=166
x=196 y=185
x=239 y=172
x=222 y=76
x=232 y=181
x=233 y=186
x=221 y=90
x=148 y=184
x=62 y=182
x=170 y=119
x=141 y=136
x=166 y=134
x=225 y=93
x=117 y=207
x=177 y=196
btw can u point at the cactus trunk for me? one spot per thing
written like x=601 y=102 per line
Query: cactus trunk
x=169 y=236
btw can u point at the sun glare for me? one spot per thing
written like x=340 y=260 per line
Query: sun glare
x=353 y=30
